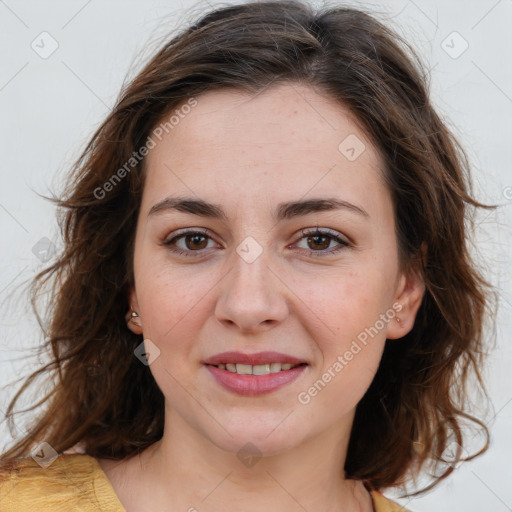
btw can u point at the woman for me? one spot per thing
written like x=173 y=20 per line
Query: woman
x=265 y=296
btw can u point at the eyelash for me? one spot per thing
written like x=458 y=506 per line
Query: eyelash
x=305 y=233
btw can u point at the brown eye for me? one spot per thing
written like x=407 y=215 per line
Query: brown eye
x=318 y=242
x=189 y=243
x=194 y=241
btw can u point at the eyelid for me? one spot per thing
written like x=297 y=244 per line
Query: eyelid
x=187 y=231
x=326 y=232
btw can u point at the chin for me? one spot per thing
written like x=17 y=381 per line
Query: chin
x=262 y=441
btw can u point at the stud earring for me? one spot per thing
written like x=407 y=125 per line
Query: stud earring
x=131 y=317
x=397 y=319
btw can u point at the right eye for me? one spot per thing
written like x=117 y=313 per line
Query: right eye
x=193 y=242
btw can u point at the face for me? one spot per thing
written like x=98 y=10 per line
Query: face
x=297 y=256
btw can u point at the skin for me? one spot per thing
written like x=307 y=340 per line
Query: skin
x=248 y=153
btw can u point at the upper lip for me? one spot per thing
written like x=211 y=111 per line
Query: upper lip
x=252 y=359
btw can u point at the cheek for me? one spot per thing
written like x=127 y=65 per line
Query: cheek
x=176 y=304
x=169 y=305
x=347 y=302
x=349 y=348
x=351 y=335
x=168 y=294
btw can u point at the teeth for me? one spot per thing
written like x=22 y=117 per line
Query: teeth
x=243 y=369
x=261 y=369
x=275 y=367
x=257 y=369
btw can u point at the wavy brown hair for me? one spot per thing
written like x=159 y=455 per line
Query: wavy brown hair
x=104 y=400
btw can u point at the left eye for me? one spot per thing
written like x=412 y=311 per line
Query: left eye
x=322 y=240
x=197 y=241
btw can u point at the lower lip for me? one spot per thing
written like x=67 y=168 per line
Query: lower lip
x=253 y=385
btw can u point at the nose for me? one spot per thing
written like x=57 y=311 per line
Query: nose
x=253 y=296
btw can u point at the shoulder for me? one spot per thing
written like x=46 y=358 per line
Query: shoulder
x=70 y=482
x=383 y=504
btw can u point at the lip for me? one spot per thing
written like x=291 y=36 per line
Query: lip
x=252 y=359
x=254 y=385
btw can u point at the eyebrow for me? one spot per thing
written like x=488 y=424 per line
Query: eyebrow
x=284 y=211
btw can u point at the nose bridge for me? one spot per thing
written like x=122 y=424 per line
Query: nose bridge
x=251 y=266
x=252 y=294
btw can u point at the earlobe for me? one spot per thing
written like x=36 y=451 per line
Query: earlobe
x=132 y=317
x=409 y=295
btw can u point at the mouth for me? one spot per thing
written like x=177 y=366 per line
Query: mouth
x=272 y=359
x=257 y=369
x=254 y=374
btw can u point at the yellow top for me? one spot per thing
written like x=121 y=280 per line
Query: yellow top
x=76 y=482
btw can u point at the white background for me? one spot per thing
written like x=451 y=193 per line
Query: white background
x=50 y=107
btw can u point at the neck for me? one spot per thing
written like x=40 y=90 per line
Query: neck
x=186 y=471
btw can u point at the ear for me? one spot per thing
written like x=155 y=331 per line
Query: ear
x=408 y=296
x=133 y=323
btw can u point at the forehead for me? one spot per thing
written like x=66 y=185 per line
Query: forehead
x=284 y=138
